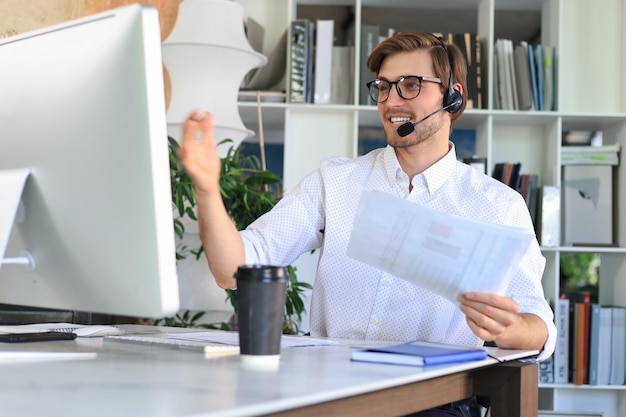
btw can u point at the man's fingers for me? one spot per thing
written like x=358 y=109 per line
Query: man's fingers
x=191 y=127
x=207 y=125
x=197 y=115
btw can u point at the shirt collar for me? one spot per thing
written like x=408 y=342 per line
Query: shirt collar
x=435 y=176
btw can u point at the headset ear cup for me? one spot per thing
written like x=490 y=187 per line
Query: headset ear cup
x=454 y=100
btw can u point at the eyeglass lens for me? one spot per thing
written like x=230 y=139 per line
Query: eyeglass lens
x=406 y=87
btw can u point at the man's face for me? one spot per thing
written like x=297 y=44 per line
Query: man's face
x=396 y=110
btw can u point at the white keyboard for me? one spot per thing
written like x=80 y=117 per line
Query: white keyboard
x=160 y=339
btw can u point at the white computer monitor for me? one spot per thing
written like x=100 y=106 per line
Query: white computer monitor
x=82 y=108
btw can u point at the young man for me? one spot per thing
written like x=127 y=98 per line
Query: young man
x=420 y=80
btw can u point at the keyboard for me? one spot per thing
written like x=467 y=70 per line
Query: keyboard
x=161 y=340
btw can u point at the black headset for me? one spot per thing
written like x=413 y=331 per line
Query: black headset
x=452 y=100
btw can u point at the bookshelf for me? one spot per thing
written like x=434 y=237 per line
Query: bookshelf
x=591 y=95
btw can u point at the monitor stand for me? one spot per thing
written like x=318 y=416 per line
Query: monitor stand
x=12 y=184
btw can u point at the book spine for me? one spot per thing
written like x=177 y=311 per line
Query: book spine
x=497 y=90
x=561 y=351
x=467 y=46
x=618 y=345
x=594 y=344
x=298 y=74
x=341 y=79
x=540 y=82
x=580 y=307
x=524 y=91
x=546 y=371
x=480 y=70
x=369 y=40
x=533 y=75
x=548 y=78
x=511 y=73
x=580 y=367
x=605 y=344
x=505 y=75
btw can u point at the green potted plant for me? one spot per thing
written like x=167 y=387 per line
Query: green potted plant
x=248 y=192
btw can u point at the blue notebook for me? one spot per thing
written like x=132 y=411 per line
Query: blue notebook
x=419 y=353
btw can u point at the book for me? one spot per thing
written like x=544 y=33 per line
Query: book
x=618 y=345
x=561 y=350
x=533 y=201
x=464 y=142
x=599 y=345
x=324 y=39
x=341 y=86
x=481 y=100
x=497 y=94
x=370 y=138
x=419 y=353
x=579 y=359
x=369 y=40
x=511 y=72
x=300 y=64
x=522 y=73
x=555 y=71
x=580 y=308
x=504 y=75
x=499 y=170
x=533 y=74
x=469 y=45
x=540 y=78
x=548 y=78
x=546 y=371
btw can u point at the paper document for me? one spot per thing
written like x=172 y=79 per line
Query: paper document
x=232 y=338
x=441 y=252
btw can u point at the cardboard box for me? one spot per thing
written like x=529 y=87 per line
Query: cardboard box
x=588 y=205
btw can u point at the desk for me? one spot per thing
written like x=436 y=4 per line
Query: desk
x=136 y=380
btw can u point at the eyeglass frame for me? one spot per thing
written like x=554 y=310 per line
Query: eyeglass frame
x=420 y=79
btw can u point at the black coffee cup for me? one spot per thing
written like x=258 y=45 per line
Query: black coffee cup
x=261 y=293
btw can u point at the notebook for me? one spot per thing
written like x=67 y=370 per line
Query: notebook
x=418 y=353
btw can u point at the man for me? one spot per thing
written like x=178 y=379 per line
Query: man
x=420 y=80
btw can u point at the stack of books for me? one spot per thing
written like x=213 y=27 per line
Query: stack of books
x=591 y=341
x=524 y=76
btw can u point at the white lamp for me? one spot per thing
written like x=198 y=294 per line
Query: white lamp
x=207 y=56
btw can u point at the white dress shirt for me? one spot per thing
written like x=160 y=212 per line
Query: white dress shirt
x=353 y=300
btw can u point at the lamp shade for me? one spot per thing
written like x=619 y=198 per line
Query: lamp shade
x=207 y=55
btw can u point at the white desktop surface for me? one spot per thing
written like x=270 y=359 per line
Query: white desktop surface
x=136 y=380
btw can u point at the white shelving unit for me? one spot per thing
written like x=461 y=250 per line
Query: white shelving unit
x=591 y=95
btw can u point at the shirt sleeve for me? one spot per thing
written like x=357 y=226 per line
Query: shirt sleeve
x=294 y=226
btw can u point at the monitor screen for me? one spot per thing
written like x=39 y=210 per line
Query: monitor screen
x=82 y=107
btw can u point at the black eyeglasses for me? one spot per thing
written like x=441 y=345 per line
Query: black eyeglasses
x=408 y=87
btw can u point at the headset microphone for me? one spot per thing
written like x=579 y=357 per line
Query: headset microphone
x=408 y=127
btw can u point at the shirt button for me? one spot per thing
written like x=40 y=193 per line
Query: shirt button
x=374 y=320
x=385 y=281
